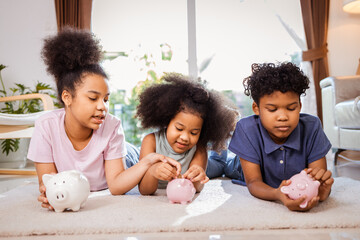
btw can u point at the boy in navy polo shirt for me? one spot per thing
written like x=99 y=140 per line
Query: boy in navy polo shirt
x=278 y=141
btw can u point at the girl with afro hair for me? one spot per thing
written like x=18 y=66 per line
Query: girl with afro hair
x=83 y=135
x=188 y=118
x=278 y=141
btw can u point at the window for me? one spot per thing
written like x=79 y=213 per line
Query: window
x=230 y=36
x=235 y=34
x=138 y=28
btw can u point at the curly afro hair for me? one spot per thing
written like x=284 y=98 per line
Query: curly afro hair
x=267 y=78
x=70 y=54
x=159 y=104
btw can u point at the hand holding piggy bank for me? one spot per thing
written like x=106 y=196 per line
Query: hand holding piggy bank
x=301 y=184
x=66 y=190
x=180 y=190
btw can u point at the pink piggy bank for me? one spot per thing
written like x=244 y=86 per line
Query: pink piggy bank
x=180 y=190
x=302 y=184
x=66 y=190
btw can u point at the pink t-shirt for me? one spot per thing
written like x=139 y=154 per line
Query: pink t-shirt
x=50 y=144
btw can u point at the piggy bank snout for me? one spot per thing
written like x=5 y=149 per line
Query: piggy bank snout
x=61 y=195
x=301 y=185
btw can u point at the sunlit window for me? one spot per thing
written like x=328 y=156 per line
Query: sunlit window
x=142 y=39
x=141 y=29
x=233 y=34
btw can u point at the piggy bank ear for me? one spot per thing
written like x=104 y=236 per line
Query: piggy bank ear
x=74 y=174
x=46 y=178
x=285 y=190
x=317 y=183
x=182 y=182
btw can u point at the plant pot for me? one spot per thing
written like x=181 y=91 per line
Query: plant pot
x=18 y=159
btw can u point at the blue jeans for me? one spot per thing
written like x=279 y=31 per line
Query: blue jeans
x=132 y=156
x=216 y=164
x=226 y=164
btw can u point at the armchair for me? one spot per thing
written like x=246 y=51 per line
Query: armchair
x=21 y=125
x=341 y=112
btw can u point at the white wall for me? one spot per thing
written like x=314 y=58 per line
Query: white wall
x=23 y=25
x=343 y=40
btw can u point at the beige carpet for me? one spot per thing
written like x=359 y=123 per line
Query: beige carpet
x=220 y=206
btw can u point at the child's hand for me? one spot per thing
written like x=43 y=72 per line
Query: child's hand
x=153 y=158
x=196 y=173
x=43 y=199
x=165 y=171
x=294 y=205
x=325 y=179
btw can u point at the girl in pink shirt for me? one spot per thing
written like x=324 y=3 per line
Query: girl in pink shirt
x=82 y=135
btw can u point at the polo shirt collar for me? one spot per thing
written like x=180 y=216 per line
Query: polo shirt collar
x=293 y=140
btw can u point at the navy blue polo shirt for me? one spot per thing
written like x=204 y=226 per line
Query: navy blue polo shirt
x=307 y=143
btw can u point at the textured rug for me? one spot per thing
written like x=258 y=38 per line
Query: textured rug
x=220 y=206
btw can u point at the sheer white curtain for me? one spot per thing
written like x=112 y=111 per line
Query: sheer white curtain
x=309 y=100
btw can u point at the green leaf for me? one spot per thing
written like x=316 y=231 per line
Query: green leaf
x=2 y=67
x=42 y=86
x=22 y=88
x=14 y=90
x=166 y=52
x=113 y=55
x=10 y=145
x=152 y=74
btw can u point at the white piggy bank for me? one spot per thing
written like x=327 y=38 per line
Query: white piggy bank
x=66 y=190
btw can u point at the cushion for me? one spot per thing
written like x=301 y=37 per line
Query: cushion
x=347 y=114
x=20 y=119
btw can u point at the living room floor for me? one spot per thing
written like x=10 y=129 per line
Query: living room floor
x=343 y=168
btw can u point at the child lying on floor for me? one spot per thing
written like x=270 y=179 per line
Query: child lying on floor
x=83 y=135
x=187 y=116
x=278 y=141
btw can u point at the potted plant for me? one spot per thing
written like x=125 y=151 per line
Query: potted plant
x=9 y=147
